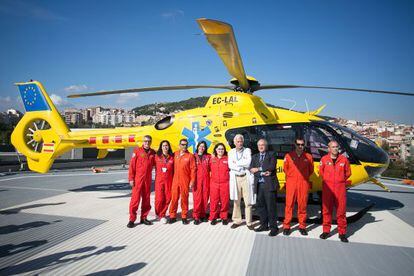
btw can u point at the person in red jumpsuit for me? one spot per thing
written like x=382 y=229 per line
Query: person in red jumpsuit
x=140 y=177
x=219 y=185
x=335 y=170
x=183 y=180
x=201 y=189
x=164 y=172
x=298 y=167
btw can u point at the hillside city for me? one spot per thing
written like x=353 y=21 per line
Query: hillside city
x=396 y=139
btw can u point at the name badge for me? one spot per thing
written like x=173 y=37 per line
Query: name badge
x=164 y=169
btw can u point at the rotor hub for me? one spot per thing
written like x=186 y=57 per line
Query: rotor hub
x=253 y=84
x=33 y=134
x=37 y=136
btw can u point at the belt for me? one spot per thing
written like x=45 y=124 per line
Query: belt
x=240 y=175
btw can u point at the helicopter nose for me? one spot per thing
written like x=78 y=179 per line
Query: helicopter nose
x=378 y=162
x=376 y=170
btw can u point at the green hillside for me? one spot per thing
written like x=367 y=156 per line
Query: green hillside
x=166 y=108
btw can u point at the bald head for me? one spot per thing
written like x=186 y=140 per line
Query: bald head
x=333 y=148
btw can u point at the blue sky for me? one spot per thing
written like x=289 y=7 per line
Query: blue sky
x=76 y=46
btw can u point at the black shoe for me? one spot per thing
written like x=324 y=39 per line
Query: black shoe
x=146 y=222
x=250 y=227
x=131 y=224
x=213 y=222
x=235 y=225
x=286 y=232
x=185 y=221
x=343 y=238
x=303 y=231
x=273 y=232
x=197 y=222
x=172 y=220
x=262 y=228
x=204 y=219
x=225 y=221
x=324 y=235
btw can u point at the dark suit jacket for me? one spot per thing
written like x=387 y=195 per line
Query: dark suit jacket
x=269 y=164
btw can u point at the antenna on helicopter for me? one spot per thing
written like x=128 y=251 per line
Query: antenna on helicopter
x=291 y=101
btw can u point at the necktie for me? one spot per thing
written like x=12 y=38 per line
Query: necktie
x=261 y=158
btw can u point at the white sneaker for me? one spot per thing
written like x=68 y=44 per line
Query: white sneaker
x=164 y=220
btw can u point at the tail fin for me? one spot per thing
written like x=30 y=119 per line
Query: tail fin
x=40 y=132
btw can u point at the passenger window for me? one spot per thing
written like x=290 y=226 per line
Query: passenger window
x=280 y=138
x=248 y=134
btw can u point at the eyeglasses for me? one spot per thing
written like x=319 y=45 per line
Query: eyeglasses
x=220 y=149
x=300 y=145
x=184 y=145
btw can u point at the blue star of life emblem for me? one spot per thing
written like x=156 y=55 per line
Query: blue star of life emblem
x=196 y=135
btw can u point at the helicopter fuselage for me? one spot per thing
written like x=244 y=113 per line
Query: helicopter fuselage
x=229 y=113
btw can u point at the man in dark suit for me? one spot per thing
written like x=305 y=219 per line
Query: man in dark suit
x=263 y=166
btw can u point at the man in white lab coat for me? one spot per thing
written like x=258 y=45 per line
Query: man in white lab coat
x=241 y=182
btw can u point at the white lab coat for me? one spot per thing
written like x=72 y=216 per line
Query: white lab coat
x=240 y=167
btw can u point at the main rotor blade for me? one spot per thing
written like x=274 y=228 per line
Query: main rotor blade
x=284 y=86
x=220 y=35
x=148 y=89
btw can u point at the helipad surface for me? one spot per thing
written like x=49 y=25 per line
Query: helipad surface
x=74 y=223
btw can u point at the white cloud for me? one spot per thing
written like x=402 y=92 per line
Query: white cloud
x=6 y=99
x=76 y=88
x=127 y=98
x=19 y=103
x=172 y=15
x=57 y=100
x=60 y=102
x=6 y=102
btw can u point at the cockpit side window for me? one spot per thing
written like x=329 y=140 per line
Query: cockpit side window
x=279 y=137
x=317 y=139
x=248 y=133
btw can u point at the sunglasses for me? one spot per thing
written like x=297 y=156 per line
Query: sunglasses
x=184 y=145
x=300 y=145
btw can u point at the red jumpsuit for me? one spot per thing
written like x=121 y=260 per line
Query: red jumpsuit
x=184 y=173
x=334 y=178
x=201 y=189
x=297 y=170
x=140 y=171
x=163 y=180
x=219 y=187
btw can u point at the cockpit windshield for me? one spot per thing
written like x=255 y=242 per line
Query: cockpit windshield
x=363 y=148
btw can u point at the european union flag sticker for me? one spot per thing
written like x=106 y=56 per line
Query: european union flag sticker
x=32 y=97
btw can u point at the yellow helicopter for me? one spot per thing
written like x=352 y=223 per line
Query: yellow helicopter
x=42 y=135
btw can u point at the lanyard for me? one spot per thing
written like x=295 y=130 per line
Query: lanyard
x=241 y=156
